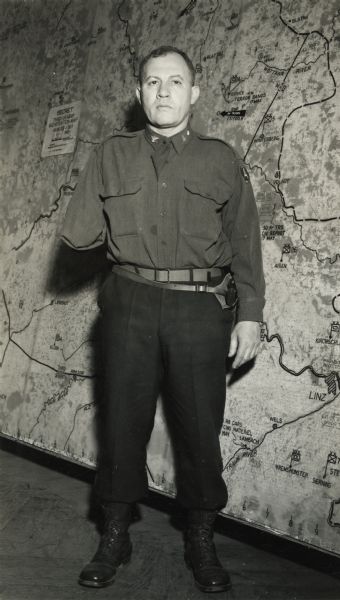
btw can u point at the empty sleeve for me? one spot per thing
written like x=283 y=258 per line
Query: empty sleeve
x=84 y=226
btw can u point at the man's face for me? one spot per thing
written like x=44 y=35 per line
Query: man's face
x=167 y=93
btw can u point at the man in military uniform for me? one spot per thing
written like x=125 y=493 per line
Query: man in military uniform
x=177 y=213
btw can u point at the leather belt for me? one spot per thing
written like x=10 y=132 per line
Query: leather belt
x=224 y=289
x=186 y=276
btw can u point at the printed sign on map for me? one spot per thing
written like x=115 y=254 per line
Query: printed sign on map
x=61 y=129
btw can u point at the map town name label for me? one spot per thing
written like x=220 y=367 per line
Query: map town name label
x=321 y=482
x=288 y=469
x=303 y=69
x=298 y=19
x=270 y=232
x=317 y=396
x=327 y=341
x=263 y=139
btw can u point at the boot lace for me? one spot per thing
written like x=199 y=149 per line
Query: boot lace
x=112 y=541
x=202 y=546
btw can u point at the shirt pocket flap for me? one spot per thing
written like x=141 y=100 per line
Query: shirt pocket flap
x=213 y=191
x=123 y=188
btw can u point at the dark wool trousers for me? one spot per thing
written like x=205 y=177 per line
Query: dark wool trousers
x=156 y=339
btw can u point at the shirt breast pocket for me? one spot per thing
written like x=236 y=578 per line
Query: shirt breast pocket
x=123 y=207
x=201 y=208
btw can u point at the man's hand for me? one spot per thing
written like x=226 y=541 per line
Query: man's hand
x=245 y=342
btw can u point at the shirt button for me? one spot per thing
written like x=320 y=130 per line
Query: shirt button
x=164 y=185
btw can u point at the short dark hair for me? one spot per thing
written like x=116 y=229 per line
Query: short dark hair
x=163 y=51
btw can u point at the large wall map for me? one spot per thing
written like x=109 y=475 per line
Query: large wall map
x=269 y=72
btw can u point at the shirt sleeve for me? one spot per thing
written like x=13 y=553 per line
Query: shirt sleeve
x=241 y=225
x=84 y=226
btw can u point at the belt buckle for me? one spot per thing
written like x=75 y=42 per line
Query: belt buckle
x=159 y=275
x=201 y=287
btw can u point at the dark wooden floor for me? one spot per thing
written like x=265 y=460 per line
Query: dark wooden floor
x=47 y=535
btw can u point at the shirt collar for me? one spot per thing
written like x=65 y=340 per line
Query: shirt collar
x=179 y=140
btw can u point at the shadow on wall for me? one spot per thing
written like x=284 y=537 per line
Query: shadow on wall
x=71 y=272
x=134 y=117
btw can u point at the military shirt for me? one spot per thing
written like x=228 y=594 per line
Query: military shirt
x=193 y=209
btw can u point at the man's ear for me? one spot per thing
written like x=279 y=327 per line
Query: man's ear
x=195 y=94
x=138 y=95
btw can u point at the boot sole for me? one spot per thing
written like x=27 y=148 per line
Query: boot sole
x=94 y=584
x=108 y=582
x=208 y=588
x=214 y=588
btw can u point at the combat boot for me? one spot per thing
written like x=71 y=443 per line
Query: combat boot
x=200 y=552
x=114 y=547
